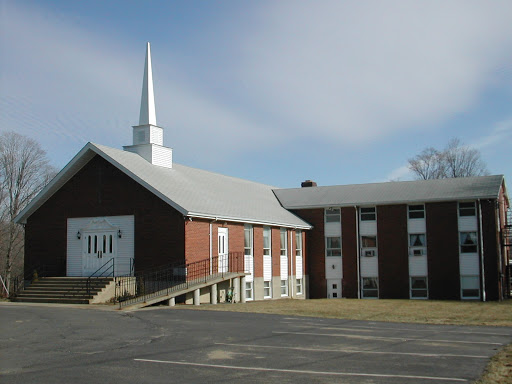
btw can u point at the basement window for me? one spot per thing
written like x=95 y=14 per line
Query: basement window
x=470 y=287
x=370 y=287
x=419 y=287
x=266 y=289
x=299 y=286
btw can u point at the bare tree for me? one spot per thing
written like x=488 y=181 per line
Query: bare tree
x=24 y=171
x=463 y=161
x=428 y=164
x=456 y=160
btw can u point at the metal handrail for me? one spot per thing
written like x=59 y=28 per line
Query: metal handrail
x=172 y=277
x=31 y=272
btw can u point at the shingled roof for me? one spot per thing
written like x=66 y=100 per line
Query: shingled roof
x=192 y=192
x=400 y=192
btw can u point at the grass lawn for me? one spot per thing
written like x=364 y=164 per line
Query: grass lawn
x=499 y=370
x=402 y=311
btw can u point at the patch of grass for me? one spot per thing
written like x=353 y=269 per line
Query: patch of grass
x=402 y=311
x=499 y=369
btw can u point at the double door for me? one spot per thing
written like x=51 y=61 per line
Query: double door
x=97 y=249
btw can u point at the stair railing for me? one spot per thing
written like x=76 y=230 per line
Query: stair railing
x=30 y=274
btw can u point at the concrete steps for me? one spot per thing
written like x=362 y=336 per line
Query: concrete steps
x=63 y=290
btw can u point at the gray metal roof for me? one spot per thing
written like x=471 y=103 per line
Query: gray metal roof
x=396 y=192
x=191 y=191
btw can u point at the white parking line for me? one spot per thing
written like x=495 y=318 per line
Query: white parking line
x=385 y=338
x=303 y=371
x=354 y=351
x=396 y=329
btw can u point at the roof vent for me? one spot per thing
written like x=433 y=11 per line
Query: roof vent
x=308 y=183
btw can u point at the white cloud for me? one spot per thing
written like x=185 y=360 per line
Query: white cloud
x=359 y=70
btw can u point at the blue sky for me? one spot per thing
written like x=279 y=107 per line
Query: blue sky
x=277 y=92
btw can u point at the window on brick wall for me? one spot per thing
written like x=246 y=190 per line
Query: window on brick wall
x=468 y=242
x=369 y=246
x=282 y=241
x=417 y=244
x=467 y=209
x=333 y=246
x=332 y=215
x=416 y=211
x=298 y=242
x=368 y=214
x=266 y=241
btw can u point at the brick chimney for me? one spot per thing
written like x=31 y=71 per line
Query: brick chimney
x=308 y=183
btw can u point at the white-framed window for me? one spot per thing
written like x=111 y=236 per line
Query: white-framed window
x=266 y=241
x=333 y=215
x=417 y=244
x=370 y=287
x=248 y=290
x=298 y=242
x=333 y=246
x=470 y=287
x=368 y=214
x=284 y=287
x=248 y=240
x=468 y=242
x=368 y=246
x=416 y=211
x=299 y=286
x=467 y=209
x=419 y=287
x=267 y=291
x=283 y=242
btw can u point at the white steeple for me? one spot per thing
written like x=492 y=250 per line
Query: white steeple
x=147 y=101
x=148 y=138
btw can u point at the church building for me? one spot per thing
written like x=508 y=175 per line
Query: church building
x=432 y=239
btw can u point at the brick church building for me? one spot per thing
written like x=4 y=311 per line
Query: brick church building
x=431 y=239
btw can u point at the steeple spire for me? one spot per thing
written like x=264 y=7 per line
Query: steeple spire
x=148 y=138
x=147 y=101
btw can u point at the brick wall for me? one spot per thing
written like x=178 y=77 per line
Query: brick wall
x=393 y=249
x=100 y=189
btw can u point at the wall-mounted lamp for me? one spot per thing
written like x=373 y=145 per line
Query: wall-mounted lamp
x=78 y=235
x=119 y=233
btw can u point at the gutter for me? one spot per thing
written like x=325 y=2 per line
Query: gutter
x=482 y=267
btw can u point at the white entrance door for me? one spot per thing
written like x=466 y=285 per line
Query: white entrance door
x=333 y=289
x=223 y=250
x=98 y=248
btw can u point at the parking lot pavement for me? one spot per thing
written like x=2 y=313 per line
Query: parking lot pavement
x=55 y=344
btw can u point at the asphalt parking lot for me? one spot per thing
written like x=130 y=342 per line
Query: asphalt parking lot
x=55 y=344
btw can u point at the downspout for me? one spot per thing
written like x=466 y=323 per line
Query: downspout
x=358 y=255
x=482 y=268
x=290 y=282
x=500 y=254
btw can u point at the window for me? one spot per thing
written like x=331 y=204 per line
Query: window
x=332 y=215
x=333 y=246
x=470 y=287
x=417 y=244
x=368 y=214
x=298 y=242
x=370 y=287
x=247 y=240
x=419 y=287
x=282 y=233
x=266 y=241
x=299 y=286
x=284 y=287
x=467 y=209
x=416 y=211
x=248 y=290
x=266 y=289
x=468 y=242
x=369 y=246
